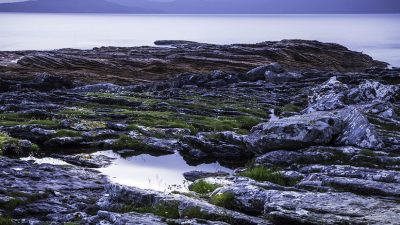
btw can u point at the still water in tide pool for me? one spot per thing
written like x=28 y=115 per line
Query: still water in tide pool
x=375 y=34
x=161 y=173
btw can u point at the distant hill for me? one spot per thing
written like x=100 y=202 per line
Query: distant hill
x=70 y=6
x=267 y=6
x=206 y=6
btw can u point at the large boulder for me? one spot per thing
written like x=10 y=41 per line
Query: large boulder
x=220 y=145
x=328 y=208
x=287 y=205
x=328 y=96
x=345 y=127
x=258 y=73
x=294 y=132
x=105 y=87
x=47 y=82
x=275 y=77
x=196 y=175
x=105 y=217
x=334 y=94
x=374 y=91
x=359 y=180
x=357 y=130
x=121 y=197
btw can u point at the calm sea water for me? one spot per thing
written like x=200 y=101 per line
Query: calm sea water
x=376 y=35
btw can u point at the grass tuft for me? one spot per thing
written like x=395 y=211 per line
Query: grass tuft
x=6 y=221
x=164 y=210
x=290 y=108
x=225 y=200
x=67 y=133
x=126 y=142
x=367 y=152
x=260 y=173
x=194 y=212
x=203 y=187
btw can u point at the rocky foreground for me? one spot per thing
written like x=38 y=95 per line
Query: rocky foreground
x=311 y=129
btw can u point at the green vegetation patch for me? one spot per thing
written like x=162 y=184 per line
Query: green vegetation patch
x=290 y=108
x=67 y=133
x=5 y=140
x=260 y=173
x=194 y=212
x=164 y=210
x=45 y=123
x=241 y=124
x=367 y=152
x=6 y=221
x=225 y=200
x=78 y=112
x=389 y=126
x=126 y=142
x=196 y=123
x=20 y=198
x=203 y=187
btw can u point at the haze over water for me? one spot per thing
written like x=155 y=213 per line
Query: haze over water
x=376 y=35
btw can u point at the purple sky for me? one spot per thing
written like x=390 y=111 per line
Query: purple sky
x=206 y=6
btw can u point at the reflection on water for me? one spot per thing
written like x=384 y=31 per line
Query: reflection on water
x=162 y=173
x=377 y=35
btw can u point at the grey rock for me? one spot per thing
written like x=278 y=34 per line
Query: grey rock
x=328 y=96
x=164 y=132
x=285 y=206
x=345 y=127
x=381 y=109
x=386 y=176
x=357 y=130
x=65 y=142
x=145 y=219
x=119 y=195
x=100 y=134
x=275 y=77
x=294 y=132
x=216 y=84
x=350 y=184
x=57 y=192
x=18 y=148
x=106 y=87
x=197 y=154
x=43 y=132
x=195 y=175
x=117 y=126
x=168 y=146
x=259 y=72
x=85 y=160
x=328 y=208
x=373 y=91
x=287 y=158
x=221 y=145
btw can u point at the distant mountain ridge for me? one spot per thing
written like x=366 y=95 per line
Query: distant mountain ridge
x=205 y=6
x=267 y=6
x=70 y=6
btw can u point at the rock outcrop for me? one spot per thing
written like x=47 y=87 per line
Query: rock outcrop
x=310 y=132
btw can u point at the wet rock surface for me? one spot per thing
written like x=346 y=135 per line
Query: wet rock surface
x=311 y=130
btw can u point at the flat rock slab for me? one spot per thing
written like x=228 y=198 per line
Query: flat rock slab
x=50 y=192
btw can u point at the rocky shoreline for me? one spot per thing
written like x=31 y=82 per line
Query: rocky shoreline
x=310 y=129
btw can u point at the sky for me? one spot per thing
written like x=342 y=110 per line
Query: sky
x=205 y=6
